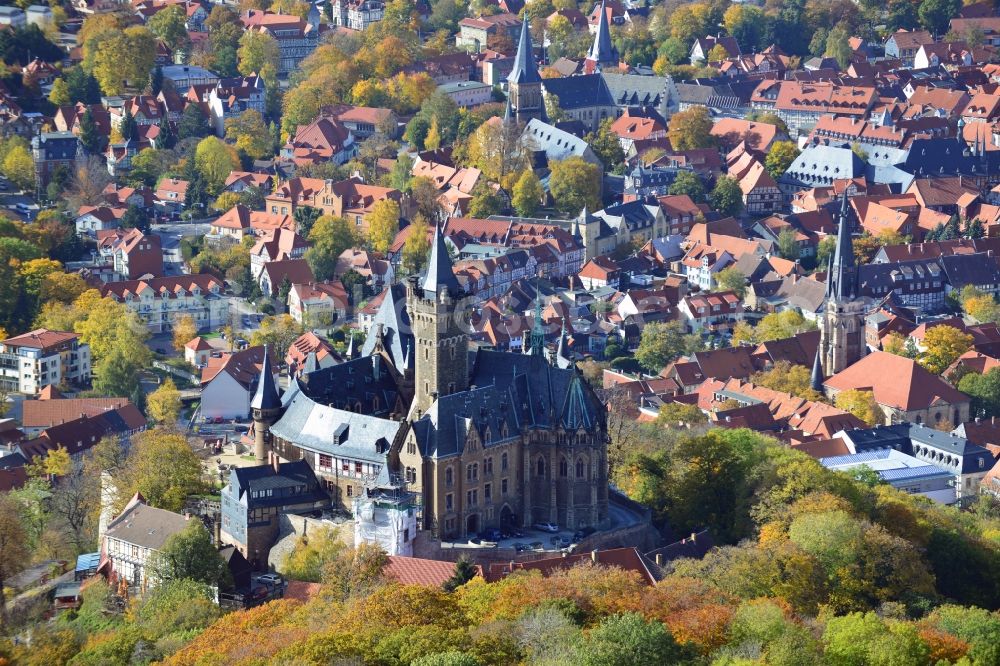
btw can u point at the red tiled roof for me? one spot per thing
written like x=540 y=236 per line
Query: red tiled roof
x=419 y=571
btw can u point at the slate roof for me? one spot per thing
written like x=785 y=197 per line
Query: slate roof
x=576 y=92
x=397 y=335
x=976 y=269
x=507 y=390
x=144 y=525
x=245 y=480
x=635 y=90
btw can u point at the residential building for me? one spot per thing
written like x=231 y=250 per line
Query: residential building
x=229 y=380
x=255 y=498
x=467 y=94
x=316 y=304
x=171 y=195
x=159 y=302
x=275 y=245
x=239 y=222
x=50 y=151
x=901 y=471
x=93 y=219
x=475 y=34
x=904 y=44
x=357 y=14
x=352 y=198
x=322 y=140
x=133 y=538
x=296 y=38
x=119 y=416
x=711 y=313
x=13 y=17
x=278 y=275
x=137 y=255
x=231 y=97
x=184 y=77
x=40 y=358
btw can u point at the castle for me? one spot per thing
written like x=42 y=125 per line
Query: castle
x=479 y=439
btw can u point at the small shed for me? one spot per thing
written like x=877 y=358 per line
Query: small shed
x=86 y=566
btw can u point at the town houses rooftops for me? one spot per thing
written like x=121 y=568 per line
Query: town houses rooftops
x=145 y=526
x=40 y=338
x=239 y=217
x=897 y=382
x=48 y=413
x=164 y=287
x=713 y=304
x=244 y=366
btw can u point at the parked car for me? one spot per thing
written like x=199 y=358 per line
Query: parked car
x=546 y=527
x=521 y=547
x=271 y=579
x=491 y=534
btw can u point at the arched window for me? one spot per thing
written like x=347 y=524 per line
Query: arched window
x=449 y=476
x=580 y=468
x=563 y=467
x=503 y=462
x=541 y=466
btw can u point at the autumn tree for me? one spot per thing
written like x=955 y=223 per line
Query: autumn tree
x=496 y=149
x=14 y=553
x=417 y=246
x=528 y=193
x=215 y=160
x=731 y=279
x=575 y=183
x=164 y=404
x=779 y=157
x=982 y=307
x=249 y=132
x=674 y=413
x=606 y=145
x=19 y=168
x=383 y=224
x=629 y=638
x=943 y=345
x=123 y=59
x=328 y=238
x=185 y=329
x=861 y=404
x=984 y=390
x=259 y=53
x=279 y=332
x=163 y=486
x=691 y=129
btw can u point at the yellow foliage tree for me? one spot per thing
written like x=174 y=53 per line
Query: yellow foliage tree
x=383 y=224
x=185 y=329
x=944 y=344
x=861 y=404
x=164 y=404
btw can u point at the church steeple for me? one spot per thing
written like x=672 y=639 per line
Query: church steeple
x=844 y=274
x=537 y=332
x=602 y=52
x=524 y=92
x=842 y=336
x=816 y=380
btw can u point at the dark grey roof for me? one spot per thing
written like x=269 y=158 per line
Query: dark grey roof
x=977 y=269
x=366 y=382
x=635 y=90
x=263 y=477
x=602 y=50
x=267 y=396
x=146 y=526
x=524 y=69
x=905 y=276
x=821 y=165
x=842 y=282
x=439 y=269
x=636 y=215
x=397 y=336
x=712 y=96
x=940 y=448
x=515 y=390
x=576 y=92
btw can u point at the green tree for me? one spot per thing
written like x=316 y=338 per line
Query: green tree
x=688 y=182
x=328 y=238
x=864 y=639
x=627 y=639
x=173 y=606
x=691 y=129
x=190 y=555
x=528 y=193
x=192 y=124
x=135 y=218
x=788 y=244
x=127 y=127
x=169 y=24
x=984 y=389
x=838 y=46
x=116 y=375
x=731 y=279
x=788 y=378
x=82 y=87
x=465 y=571
x=726 y=196
x=59 y=95
x=779 y=157
x=485 y=202
x=935 y=15
x=305 y=217
x=259 y=54
x=575 y=183
x=606 y=145
x=660 y=344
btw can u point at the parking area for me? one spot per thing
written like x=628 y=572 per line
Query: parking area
x=525 y=539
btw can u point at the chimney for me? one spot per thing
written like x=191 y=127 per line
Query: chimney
x=275 y=462
x=659 y=559
x=593 y=556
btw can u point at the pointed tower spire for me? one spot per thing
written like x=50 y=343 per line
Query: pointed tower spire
x=816 y=381
x=267 y=396
x=524 y=70
x=439 y=271
x=508 y=112
x=843 y=280
x=602 y=51
x=537 y=332
x=350 y=347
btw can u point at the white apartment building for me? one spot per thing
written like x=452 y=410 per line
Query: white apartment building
x=32 y=361
x=159 y=302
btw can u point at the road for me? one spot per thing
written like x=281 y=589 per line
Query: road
x=170 y=239
x=9 y=197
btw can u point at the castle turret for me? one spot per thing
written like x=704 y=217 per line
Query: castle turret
x=441 y=345
x=265 y=408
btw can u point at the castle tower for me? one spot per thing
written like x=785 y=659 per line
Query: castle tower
x=842 y=335
x=441 y=346
x=602 y=52
x=266 y=410
x=524 y=83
